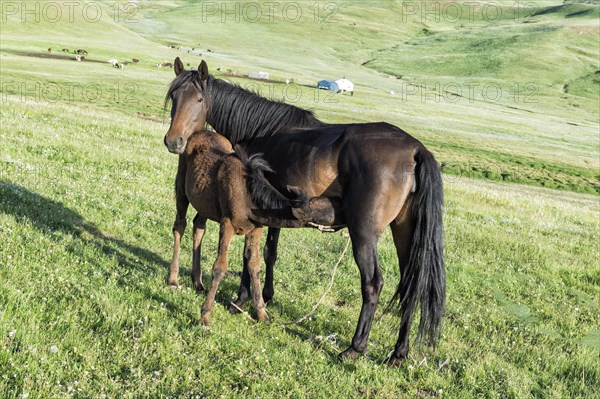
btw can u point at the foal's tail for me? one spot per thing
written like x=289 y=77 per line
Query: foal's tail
x=273 y=207
x=423 y=277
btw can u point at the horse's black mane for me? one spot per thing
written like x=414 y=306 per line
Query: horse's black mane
x=241 y=115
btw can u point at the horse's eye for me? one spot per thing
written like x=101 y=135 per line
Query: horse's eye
x=200 y=99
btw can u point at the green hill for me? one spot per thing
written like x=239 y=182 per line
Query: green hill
x=500 y=94
x=523 y=80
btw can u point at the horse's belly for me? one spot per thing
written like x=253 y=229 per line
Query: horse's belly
x=204 y=199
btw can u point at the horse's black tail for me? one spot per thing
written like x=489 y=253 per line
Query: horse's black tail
x=423 y=277
x=272 y=205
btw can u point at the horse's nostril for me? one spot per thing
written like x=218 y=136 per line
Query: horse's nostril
x=179 y=141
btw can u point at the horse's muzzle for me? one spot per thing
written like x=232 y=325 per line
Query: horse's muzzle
x=175 y=146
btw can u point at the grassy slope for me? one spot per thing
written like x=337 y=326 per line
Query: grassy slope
x=85 y=251
x=86 y=207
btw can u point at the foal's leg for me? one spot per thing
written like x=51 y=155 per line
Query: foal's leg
x=253 y=246
x=219 y=268
x=270 y=256
x=178 y=229
x=179 y=225
x=244 y=290
x=199 y=229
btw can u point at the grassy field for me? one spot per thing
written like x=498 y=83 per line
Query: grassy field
x=86 y=205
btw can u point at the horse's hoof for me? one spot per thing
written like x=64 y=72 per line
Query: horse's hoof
x=200 y=289
x=262 y=315
x=267 y=295
x=349 y=354
x=234 y=308
x=173 y=282
x=197 y=282
x=394 y=361
x=205 y=320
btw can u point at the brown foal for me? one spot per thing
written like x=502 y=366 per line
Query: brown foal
x=229 y=187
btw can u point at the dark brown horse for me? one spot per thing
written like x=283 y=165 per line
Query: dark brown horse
x=380 y=174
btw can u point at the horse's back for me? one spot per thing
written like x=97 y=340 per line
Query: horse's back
x=208 y=141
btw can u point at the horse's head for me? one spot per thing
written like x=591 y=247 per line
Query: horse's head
x=188 y=105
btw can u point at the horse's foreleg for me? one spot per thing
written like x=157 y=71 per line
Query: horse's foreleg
x=179 y=225
x=253 y=246
x=219 y=268
x=199 y=229
x=270 y=256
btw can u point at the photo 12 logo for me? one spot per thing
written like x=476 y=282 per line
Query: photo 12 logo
x=67 y=11
x=69 y=92
x=468 y=11
x=269 y=11
x=453 y=92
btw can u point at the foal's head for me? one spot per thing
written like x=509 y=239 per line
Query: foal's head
x=189 y=106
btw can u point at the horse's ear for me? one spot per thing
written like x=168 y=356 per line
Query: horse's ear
x=203 y=71
x=178 y=66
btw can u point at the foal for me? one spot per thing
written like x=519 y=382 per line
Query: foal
x=229 y=187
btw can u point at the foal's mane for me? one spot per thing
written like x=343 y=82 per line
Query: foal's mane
x=242 y=115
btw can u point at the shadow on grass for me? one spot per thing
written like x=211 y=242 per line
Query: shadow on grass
x=51 y=216
x=135 y=264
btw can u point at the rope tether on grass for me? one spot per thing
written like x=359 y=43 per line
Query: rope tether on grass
x=306 y=316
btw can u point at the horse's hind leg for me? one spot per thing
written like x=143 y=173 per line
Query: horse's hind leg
x=270 y=256
x=219 y=268
x=364 y=246
x=402 y=232
x=253 y=246
x=199 y=229
x=367 y=215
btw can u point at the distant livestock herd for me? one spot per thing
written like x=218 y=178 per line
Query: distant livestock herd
x=339 y=86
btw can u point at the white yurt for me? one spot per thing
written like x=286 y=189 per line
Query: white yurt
x=259 y=75
x=345 y=85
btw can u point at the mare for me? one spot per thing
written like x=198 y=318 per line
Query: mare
x=381 y=176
